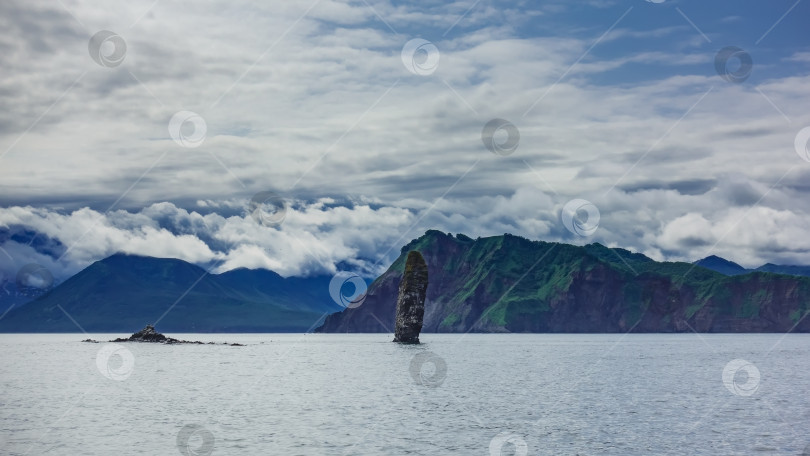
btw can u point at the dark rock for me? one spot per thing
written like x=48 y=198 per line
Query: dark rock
x=411 y=299
x=91 y=341
x=148 y=334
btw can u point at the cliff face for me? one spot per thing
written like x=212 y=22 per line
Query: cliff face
x=510 y=284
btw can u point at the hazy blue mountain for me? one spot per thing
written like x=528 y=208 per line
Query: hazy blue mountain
x=122 y=293
x=13 y=296
x=722 y=265
x=785 y=269
x=730 y=268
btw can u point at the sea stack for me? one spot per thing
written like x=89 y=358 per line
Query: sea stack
x=411 y=299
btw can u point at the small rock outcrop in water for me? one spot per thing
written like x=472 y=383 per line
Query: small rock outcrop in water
x=148 y=334
x=411 y=299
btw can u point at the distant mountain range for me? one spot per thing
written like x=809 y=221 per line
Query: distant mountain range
x=123 y=292
x=730 y=268
x=511 y=284
x=493 y=284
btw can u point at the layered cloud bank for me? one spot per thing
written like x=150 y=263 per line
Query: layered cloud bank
x=313 y=239
x=324 y=236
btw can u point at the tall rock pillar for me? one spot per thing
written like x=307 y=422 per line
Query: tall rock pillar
x=411 y=299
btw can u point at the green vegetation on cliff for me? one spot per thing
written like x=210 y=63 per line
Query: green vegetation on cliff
x=509 y=283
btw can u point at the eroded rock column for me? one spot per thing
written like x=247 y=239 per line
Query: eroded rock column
x=411 y=299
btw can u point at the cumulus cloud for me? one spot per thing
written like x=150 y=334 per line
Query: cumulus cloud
x=313 y=239
x=324 y=236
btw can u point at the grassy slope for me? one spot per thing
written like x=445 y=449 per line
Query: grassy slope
x=528 y=275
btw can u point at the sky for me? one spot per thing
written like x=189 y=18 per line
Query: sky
x=673 y=128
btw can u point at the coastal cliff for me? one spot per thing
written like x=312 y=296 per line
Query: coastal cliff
x=511 y=284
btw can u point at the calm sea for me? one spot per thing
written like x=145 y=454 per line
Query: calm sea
x=361 y=394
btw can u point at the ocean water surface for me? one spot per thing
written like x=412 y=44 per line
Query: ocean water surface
x=330 y=394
